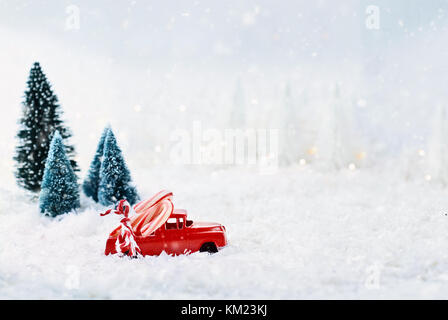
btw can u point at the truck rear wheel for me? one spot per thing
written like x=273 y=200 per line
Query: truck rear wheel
x=209 y=247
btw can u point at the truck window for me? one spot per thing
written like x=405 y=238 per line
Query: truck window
x=180 y=223
x=171 y=224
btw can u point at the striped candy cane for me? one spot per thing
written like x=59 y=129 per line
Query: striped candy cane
x=125 y=242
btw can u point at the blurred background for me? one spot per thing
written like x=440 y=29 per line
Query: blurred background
x=349 y=84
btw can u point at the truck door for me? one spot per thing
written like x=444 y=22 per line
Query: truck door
x=152 y=244
x=175 y=237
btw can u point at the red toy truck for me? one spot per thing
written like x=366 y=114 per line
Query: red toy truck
x=158 y=227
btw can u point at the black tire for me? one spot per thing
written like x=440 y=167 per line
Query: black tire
x=209 y=247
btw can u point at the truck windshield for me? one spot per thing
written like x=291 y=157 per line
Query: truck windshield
x=177 y=223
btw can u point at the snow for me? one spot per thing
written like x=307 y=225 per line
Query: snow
x=299 y=233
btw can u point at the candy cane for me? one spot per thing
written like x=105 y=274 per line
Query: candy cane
x=125 y=242
x=163 y=211
x=149 y=215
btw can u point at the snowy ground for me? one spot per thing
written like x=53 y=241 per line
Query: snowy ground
x=299 y=233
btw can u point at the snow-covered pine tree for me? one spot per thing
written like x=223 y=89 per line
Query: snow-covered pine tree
x=288 y=128
x=338 y=143
x=60 y=191
x=41 y=118
x=437 y=160
x=115 y=178
x=92 y=181
x=238 y=111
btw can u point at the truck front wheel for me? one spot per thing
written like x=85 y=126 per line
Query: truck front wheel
x=209 y=247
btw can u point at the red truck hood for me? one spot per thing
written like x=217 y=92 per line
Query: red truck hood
x=206 y=225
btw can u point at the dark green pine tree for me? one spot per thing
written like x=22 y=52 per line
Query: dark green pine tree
x=91 y=183
x=60 y=190
x=115 y=178
x=41 y=118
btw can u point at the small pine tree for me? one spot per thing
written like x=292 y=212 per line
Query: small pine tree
x=338 y=142
x=437 y=159
x=59 y=193
x=288 y=123
x=91 y=183
x=115 y=177
x=238 y=112
x=41 y=118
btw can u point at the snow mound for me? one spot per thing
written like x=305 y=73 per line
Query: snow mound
x=296 y=234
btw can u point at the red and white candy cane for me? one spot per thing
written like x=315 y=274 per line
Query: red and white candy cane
x=150 y=215
x=126 y=239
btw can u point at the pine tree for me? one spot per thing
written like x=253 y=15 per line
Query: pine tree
x=238 y=112
x=41 y=118
x=115 y=177
x=59 y=193
x=288 y=124
x=91 y=183
x=437 y=159
x=338 y=143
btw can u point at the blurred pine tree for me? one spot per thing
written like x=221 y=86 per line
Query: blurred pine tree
x=41 y=118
